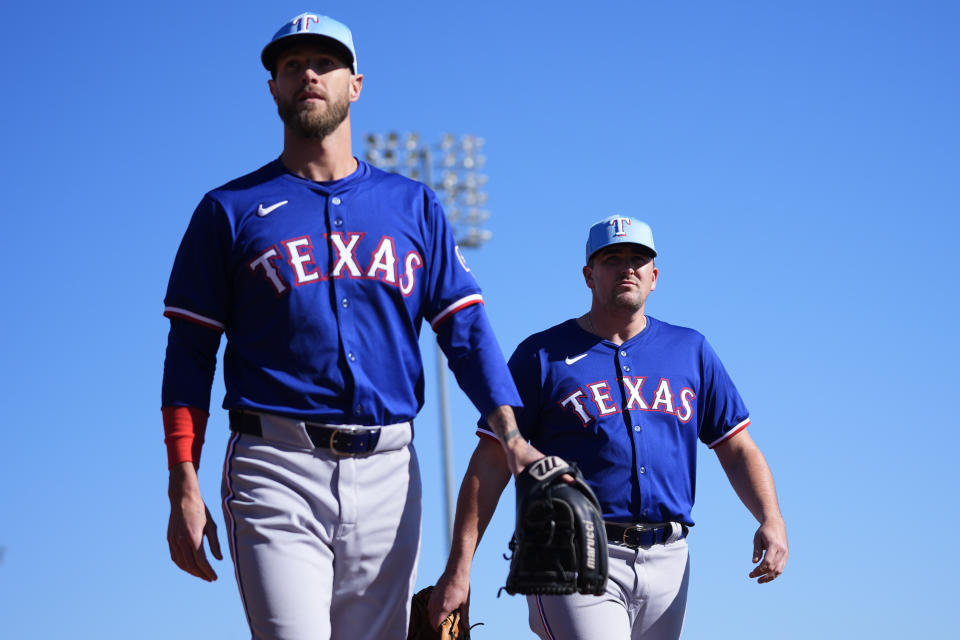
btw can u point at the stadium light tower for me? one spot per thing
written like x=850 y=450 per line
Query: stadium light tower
x=451 y=168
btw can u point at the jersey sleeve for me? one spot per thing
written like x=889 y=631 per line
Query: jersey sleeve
x=198 y=290
x=189 y=365
x=723 y=412
x=526 y=372
x=196 y=303
x=454 y=308
x=450 y=285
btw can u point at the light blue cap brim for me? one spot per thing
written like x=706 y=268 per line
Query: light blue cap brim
x=617 y=229
x=309 y=26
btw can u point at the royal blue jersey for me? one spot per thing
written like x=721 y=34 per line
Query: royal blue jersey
x=630 y=415
x=321 y=289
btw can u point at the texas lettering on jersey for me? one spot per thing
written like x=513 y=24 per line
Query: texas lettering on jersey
x=596 y=399
x=299 y=255
x=317 y=286
x=620 y=410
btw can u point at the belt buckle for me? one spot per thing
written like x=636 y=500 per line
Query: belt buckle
x=337 y=452
x=640 y=528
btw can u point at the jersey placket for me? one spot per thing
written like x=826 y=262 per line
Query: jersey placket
x=343 y=288
x=632 y=412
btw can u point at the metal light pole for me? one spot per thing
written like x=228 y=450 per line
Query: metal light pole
x=452 y=169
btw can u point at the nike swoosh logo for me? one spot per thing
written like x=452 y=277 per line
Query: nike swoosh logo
x=265 y=211
x=570 y=360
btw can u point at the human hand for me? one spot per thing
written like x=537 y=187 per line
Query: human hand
x=770 y=550
x=520 y=454
x=449 y=594
x=190 y=521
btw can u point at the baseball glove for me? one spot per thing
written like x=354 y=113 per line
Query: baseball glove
x=452 y=627
x=559 y=545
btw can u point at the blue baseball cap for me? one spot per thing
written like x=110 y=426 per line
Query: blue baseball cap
x=305 y=28
x=616 y=229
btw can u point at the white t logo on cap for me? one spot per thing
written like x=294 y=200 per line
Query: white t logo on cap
x=620 y=226
x=304 y=21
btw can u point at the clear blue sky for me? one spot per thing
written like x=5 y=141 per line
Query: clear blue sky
x=799 y=163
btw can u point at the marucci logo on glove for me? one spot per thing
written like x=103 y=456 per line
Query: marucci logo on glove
x=590 y=533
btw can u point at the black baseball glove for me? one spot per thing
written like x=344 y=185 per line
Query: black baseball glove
x=559 y=545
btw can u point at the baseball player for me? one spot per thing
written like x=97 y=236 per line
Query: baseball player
x=626 y=397
x=319 y=269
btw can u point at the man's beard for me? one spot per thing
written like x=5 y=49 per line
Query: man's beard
x=313 y=123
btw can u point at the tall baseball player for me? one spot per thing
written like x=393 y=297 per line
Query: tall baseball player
x=320 y=270
x=626 y=397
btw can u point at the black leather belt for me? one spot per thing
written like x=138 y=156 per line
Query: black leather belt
x=343 y=442
x=640 y=535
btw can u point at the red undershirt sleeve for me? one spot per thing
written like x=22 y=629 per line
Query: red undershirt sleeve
x=184 y=429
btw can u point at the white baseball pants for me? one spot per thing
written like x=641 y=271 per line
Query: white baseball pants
x=646 y=598
x=324 y=546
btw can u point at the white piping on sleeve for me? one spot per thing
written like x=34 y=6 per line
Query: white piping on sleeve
x=177 y=312
x=466 y=301
x=729 y=434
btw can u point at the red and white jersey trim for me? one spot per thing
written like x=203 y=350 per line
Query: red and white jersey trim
x=729 y=434
x=438 y=319
x=177 y=312
x=481 y=432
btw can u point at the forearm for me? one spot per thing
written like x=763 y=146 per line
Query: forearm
x=519 y=453
x=503 y=423
x=183 y=481
x=188 y=371
x=750 y=477
x=184 y=429
x=486 y=477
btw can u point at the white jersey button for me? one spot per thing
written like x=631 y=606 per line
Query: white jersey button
x=623 y=353
x=336 y=200
x=345 y=303
x=338 y=222
x=626 y=367
x=351 y=357
x=643 y=469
